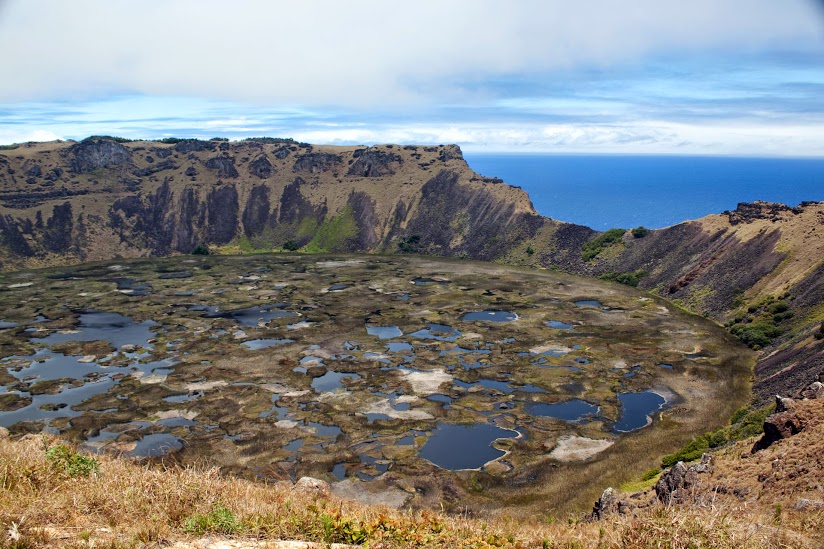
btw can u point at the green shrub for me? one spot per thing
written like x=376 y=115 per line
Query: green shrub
x=692 y=451
x=778 y=307
x=630 y=279
x=591 y=249
x=220 y=520
x=291 y=245
x=409 y=245
x=200 y=249
x=530 y=251
x=110 y=138
x=748 y=423
x=756 y=334
x=640 y=232
x=67 y=461
x=820 y=333
x=651 y=474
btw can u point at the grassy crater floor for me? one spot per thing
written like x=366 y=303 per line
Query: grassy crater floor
x=402 y=380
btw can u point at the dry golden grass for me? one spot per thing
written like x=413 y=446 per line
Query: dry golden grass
x=750 y=501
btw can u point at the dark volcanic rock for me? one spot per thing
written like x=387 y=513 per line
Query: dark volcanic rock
x=749 y=212
x=787 y=370
x=224 y=165
x=11 y=237
x=450 y=152
x=452 y=219
x=261 y=167
x=34 y=170
x=606 y=505
x=784 y=423
x=676 y=484
x=191 y=171
x=58 y=234
x=92 y=154
x=316 y=163
x=162 y=153
x=222 y=214
x=374 y=163
x=282 y=153
x=54 y=174
x=256 y=212
x=159 y=167
x=194 y=145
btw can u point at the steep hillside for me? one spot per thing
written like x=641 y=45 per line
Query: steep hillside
x=100 y=198
x=759 y=269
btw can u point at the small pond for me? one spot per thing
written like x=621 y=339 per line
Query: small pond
x=255 y=344
x=558 y=325
x=331 y=381
x=384 y=332
x=636 y=409
x=489 y=316
x=570 y=410
x=456 y=447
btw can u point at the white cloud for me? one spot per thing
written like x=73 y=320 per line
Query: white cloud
x=362 y=53
x=25 y=135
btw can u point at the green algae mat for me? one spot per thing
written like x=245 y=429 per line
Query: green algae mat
x=399 y=379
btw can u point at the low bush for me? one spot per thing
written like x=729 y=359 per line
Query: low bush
x=640 y=232
x=66 y=461
x=591 y=249
x=409 y=245
x=219 y=520
x=630 y=279
x=759 y=324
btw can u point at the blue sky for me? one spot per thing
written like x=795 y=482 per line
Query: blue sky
x=740 y=77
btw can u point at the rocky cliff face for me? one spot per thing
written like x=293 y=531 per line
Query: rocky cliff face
x=97 y=199
x=760 y=267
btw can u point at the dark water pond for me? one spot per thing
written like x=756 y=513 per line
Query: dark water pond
x=636 y=409
x=330 y=381
x=255 y=344
x=441 y=332
x=98 y=326
x=558 y=325
x=154 y=445
x=589 y=303
x=490 y=316
x=455 y=447
x=570 y=410
x=384 y=332
x=60 y=405
x=250 y=317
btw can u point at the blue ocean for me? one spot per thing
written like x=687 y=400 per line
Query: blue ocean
x=604 y=191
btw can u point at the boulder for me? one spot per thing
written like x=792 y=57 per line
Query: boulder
x=313 y=486
x=92 y=154
x=374 y=163
x=606 y=505
x=314 y=163
x=675 y=484
x=261 y=167
x=812 y=391
x=784 y=423
x=224 y=165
